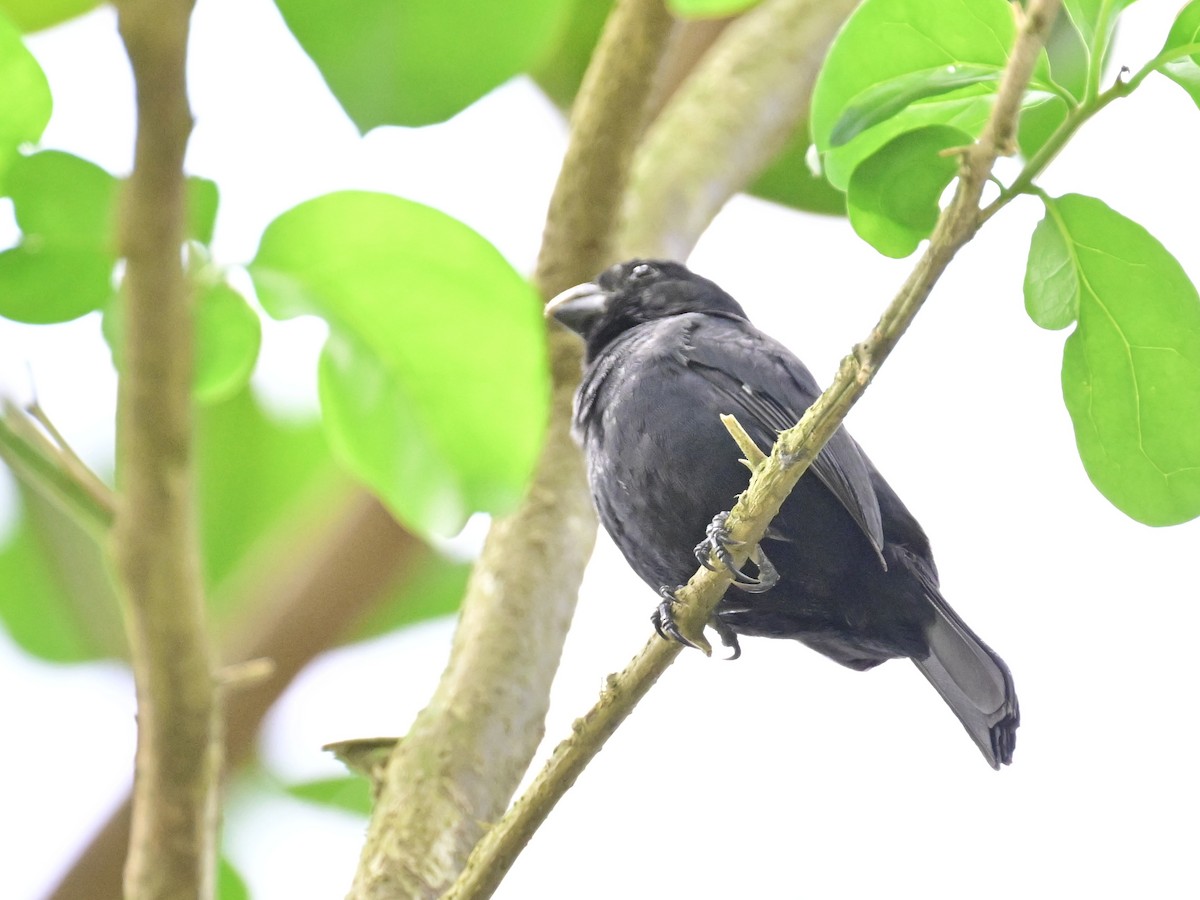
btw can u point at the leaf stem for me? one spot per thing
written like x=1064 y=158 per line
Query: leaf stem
x=1024 y=182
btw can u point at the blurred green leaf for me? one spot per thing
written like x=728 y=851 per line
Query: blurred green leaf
x=64 y=199
x=560 y=71
x=227 y=339
x=34 y=15
x=203 y=198
x=25 y=99
x=433 y=381
x=55 y=597
x=893 y=196
x=709 y=9
x=230 y=884
x=228 y=335
x=788 y=180
x=436 y=589
x=420 y=61
x=62 y=267
x=261 y=480
x=46 y=283
x=349 y=793
x=1131 y=368
x=1184 y=68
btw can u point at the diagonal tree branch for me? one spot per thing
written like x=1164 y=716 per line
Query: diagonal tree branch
x=155 y=545
x=772 y=481
x=462 y=759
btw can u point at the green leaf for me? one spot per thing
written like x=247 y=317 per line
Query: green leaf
x=203 y=198
x=230 y=884
x=966 y=109
x=1131 y=368
x=349 y=793
x=1095 y=20
x=893 y=196
x=709 y=9
x=920 y=36
x=34 y=15
x=420 y=61
x=885 y=99
x=51 y=283
x=62 y=267
x=789 y=180
x=262 y=481
x=227 y=339
x=228 y=335
x=1184 y=67
x=56 y=600
x=1051 y=277
x=25 y=99
x=64 y=199
x=433 y=382
x=1069 y=60
x=935 y=72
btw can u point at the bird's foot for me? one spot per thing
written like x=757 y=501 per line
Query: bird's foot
x=669 y=629
x=717 y=544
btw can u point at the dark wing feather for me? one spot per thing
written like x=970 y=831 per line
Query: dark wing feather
x=769 y=389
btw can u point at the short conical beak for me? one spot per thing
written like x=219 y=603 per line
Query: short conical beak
x=578 y=308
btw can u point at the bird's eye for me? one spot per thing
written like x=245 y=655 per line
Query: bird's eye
x=641 y=271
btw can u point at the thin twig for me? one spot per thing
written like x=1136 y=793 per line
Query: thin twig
x=44 y=461
x=771 y=483
x=172 y=850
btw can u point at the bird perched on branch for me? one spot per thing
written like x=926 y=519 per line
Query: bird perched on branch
x=844 y=568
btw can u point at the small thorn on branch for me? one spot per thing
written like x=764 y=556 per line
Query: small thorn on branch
x=755 y=457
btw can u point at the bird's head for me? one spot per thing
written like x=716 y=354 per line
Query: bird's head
x=631 y=293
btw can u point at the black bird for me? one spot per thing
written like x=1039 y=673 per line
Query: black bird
x=849 y=570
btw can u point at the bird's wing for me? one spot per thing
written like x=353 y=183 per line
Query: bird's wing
x=769 y=389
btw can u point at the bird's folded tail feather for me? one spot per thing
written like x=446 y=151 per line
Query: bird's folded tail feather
x=974 y=682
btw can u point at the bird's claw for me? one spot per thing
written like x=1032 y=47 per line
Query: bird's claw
x=728 y=637
x=668 y=629
x=768 y=575
x=717 y=543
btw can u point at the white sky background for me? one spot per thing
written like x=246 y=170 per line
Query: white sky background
x=782 y=774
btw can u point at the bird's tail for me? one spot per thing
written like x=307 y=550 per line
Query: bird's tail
x=973 y=681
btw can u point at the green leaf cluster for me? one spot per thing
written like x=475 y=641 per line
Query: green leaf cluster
x=433 y=383
x=886 y=126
